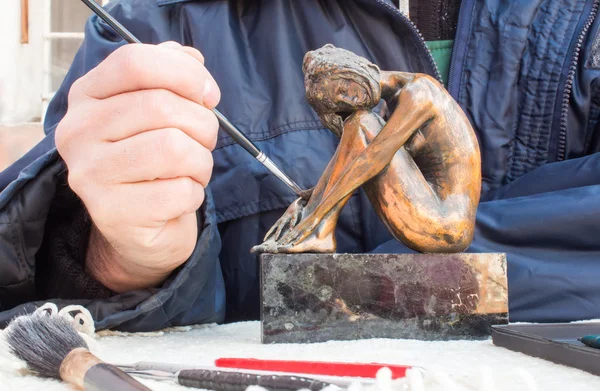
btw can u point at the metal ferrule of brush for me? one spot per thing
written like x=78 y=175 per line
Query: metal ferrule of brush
x=268 y=163
x=151 y=374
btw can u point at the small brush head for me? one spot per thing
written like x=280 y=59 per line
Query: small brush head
x=43 y=342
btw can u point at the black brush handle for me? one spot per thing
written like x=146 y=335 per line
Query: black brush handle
x=106 y=377
x=112 y=22
x=237 y=381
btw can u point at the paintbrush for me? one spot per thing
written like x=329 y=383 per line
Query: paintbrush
x=51 y=347
x=226 y=125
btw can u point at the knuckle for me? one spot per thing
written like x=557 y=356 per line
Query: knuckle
x=127 y=59
x=62 y=136
x=157 y=102
x=76 y=91
x=174 y=145
x=194 y=53
x=196 y=201
x=65 y=135
x=212 y=130
x=186 y=191
x=186 y=188
x=207 y=165
x=75 y=179
x=170 y=44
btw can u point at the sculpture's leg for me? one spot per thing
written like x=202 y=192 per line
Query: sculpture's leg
x=352 y=143
x=417 y=210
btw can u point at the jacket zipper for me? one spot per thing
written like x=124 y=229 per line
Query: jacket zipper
x=459 y=48
x=564 y=113
x=417 y=33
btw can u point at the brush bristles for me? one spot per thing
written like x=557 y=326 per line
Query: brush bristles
x=43 y=342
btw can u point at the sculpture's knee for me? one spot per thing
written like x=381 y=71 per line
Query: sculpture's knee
x=365 y=124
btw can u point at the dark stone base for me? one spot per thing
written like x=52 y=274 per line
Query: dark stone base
x=308 y=298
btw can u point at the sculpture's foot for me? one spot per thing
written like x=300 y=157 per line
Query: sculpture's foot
x=319 y=238
x=317 y=242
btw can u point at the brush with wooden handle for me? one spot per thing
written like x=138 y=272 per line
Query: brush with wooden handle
x=51 y=347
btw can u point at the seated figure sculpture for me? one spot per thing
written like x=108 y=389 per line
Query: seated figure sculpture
x=421 y=169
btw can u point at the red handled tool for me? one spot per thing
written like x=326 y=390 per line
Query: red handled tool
x=366 y=370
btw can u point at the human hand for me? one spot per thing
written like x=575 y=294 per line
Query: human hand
x=137 y=141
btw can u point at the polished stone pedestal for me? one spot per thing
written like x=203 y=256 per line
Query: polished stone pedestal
x=320 y=297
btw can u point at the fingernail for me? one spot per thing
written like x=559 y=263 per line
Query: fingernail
x=208 y=86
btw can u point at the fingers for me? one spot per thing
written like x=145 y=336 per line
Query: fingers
x=157 y=154
x=137 y=140
x=136 y=67
x=148 y=204
x=187 y=49
x=131 y=113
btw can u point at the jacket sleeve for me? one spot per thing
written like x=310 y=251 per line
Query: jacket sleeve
x=44 y=227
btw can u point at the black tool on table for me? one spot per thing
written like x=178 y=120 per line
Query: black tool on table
x=227 y=126
x=222 y=380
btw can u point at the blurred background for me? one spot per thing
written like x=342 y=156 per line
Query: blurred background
x=39 y=39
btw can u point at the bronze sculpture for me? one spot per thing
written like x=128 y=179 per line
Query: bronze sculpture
x=419 y=164
x=420 y=169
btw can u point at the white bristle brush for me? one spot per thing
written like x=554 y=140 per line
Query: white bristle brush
x=51 y=347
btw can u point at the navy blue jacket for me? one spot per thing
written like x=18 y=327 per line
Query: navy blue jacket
x=525 y=72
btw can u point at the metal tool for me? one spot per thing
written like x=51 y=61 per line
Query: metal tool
x=227 y=126
x=224 y=380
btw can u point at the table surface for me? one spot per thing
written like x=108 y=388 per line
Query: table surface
x=470 y=365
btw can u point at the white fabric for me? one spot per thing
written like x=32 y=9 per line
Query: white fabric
x=460 y=365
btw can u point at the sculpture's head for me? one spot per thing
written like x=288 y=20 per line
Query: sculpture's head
x=338 y=82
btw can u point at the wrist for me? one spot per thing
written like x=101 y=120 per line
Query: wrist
x=109 y=267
